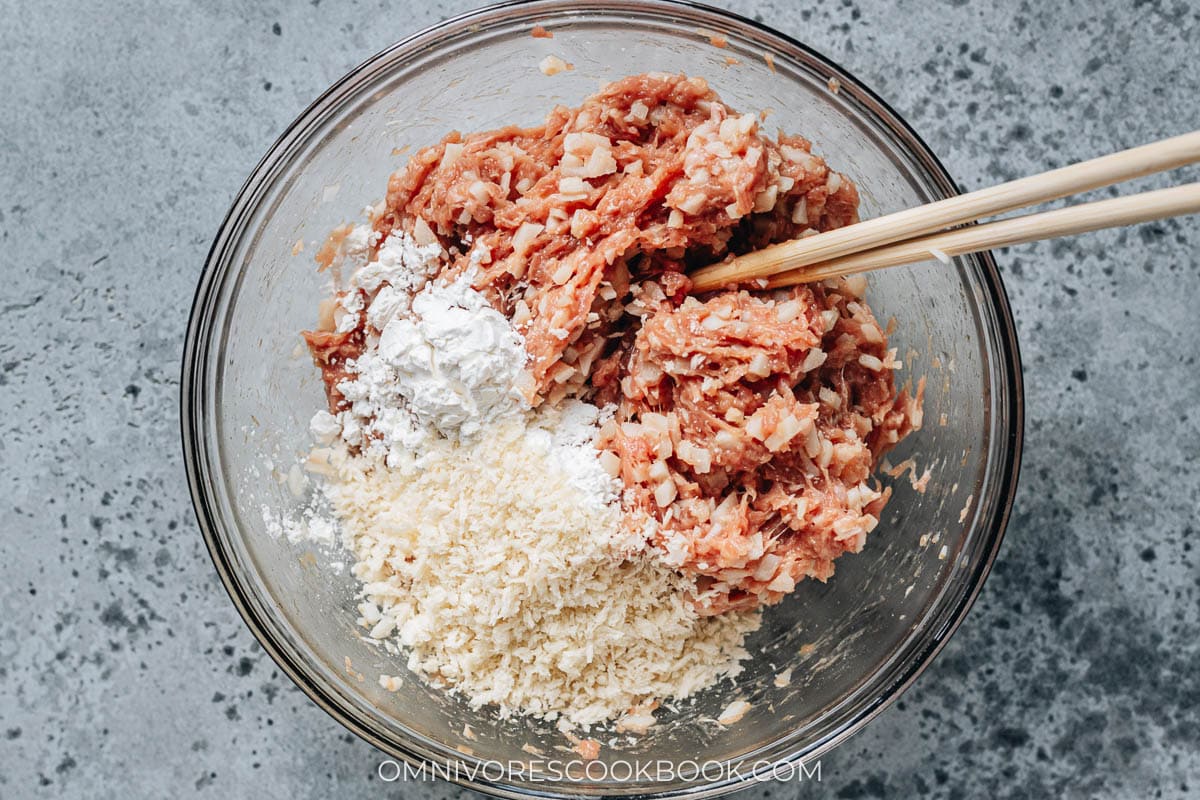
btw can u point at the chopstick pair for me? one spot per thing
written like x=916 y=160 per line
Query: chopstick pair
x=917 y=234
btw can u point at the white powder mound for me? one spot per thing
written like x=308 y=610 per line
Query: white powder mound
x=507 y=585
x=445 y=362
x=457 y=361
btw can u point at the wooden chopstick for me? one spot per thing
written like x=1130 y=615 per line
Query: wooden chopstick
x=1086 y=175
x=1129 y=210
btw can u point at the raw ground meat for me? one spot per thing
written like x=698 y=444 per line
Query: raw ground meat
x=748 y=422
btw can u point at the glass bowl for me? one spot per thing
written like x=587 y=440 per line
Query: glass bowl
x=248 y=390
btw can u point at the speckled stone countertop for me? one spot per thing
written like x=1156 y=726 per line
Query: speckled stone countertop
x=127 y=127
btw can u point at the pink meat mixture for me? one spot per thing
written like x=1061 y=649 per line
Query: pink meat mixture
x=748 y=422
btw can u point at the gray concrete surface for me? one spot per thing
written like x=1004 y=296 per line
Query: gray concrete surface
x=126 y=128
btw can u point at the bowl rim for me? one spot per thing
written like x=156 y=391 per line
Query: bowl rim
x=192 y=432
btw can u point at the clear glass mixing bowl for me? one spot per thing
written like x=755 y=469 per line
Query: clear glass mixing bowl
x=852 y=644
